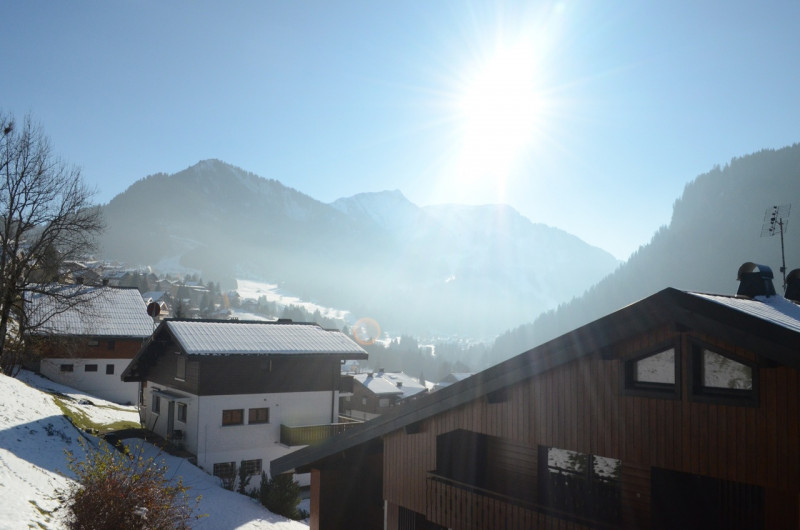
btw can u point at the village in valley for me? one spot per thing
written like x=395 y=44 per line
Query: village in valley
x=607 y=425
x=484 y=265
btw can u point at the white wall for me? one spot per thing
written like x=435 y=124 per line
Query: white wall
x=105 y=386
x=206 y=437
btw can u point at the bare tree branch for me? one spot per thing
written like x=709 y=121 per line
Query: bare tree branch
x=46 y=217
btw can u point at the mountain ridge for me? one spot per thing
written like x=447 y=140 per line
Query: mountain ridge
x=456 y=268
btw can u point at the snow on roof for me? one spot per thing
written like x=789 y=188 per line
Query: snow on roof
x=93 y=311
x=385 y=383
x=198 y=337
x=775 y=309
x=377 y=385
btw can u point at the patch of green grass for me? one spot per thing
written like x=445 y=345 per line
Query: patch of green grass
x=82 y=421
x=47 y=514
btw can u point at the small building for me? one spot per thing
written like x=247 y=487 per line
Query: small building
x=241 y=393
x=88 y=337
x=449 y=379
x=681 y=410
x=374 y=393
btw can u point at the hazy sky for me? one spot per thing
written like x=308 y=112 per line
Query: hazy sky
x=589 y=116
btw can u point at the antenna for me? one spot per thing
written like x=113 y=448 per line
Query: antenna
x=776 y=219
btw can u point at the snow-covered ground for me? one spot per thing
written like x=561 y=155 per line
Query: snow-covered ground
x=34 y=436
x=272 y=293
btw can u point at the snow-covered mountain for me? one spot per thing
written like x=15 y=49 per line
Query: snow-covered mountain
x=471 y=270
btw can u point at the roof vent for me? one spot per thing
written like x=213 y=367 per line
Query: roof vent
x=755 y=280
x=793 y=286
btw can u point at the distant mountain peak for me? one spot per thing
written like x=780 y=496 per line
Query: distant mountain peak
x=388 y=209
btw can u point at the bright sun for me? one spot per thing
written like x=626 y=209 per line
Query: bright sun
x=499 y=111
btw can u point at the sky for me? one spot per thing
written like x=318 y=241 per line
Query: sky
x=583 y=115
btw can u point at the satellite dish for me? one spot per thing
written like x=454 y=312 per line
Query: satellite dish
x=153 y=309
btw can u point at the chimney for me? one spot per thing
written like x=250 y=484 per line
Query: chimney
x=793 y=286
x=399 y=384
x=755 y=280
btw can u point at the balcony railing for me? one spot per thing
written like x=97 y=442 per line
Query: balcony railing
x=312 y=434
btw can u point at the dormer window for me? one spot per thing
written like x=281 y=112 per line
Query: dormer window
x=654 y=374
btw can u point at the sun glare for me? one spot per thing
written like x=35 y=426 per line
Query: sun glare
x=499 y=111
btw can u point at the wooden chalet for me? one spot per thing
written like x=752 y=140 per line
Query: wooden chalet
x=376 y=392
x=681 y=410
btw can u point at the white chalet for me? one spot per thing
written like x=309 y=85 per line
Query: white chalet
x=241 y=393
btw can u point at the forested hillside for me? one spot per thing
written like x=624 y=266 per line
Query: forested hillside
x=715 y=227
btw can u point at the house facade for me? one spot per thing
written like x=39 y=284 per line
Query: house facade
x=88 y=337
x=679 y=411
x=238 y=393
x=375 y=393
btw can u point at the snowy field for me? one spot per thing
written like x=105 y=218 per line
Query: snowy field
x=255 y=290
x=34 y=435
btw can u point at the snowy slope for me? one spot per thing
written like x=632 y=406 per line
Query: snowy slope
x=33 y=466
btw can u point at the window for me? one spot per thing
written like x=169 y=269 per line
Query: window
x=156 y=403
x=90 y=367
x=109 y=369
x=586 y=486
x=720 y=377
x=67 y=367
x=92 y=342
x=227 y=472
x=258 y=415
x=654 y=374
x=111 y=344
x=490 y=463
x=233 y=417
x=383 y=402
x=182 y=407
x=180 y=370
x=251 y=467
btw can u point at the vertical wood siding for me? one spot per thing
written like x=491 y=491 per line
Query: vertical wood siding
x=580 y=406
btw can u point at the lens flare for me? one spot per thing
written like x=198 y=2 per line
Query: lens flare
x=366 y=331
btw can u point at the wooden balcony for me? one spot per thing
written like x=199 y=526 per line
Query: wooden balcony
x=312 y=434
x=457 y=505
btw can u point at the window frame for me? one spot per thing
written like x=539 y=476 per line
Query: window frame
x=632 y=387
x=552 y=484
x=155 y=406
x=256 y=464
x=90 y=367
x=226 y=472
x=180 y=367
x=66 y=367
x=181 y=412
x=255 y=421
x=699 y=392
x=229 y=417
x=110 y=369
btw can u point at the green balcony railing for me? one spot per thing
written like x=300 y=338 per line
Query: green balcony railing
x=312 y=434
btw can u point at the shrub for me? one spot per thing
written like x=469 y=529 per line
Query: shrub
x=244 y=480
x=281 y=495
x=124 y=491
